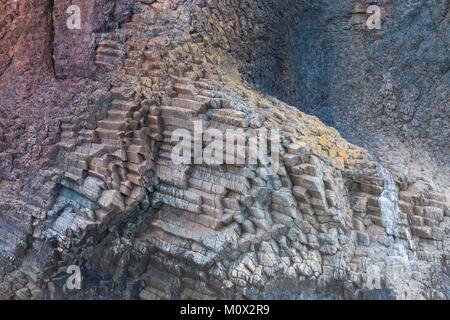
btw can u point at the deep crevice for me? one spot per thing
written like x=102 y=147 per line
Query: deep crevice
x=51 y=4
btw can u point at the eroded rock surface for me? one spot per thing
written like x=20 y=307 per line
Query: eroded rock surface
x=87 y=178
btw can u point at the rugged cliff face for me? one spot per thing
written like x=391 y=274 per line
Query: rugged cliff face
x=87 y=177
x=385 y=89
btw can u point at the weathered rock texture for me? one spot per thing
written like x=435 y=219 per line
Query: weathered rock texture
x=86 y=177
x=386 y=89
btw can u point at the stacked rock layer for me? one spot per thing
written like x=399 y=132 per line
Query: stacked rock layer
x=88 y=179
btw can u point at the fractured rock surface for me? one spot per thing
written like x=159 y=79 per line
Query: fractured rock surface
x=87 y=178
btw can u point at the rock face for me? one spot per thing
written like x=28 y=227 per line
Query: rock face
x=87 y=176
x=393 y=80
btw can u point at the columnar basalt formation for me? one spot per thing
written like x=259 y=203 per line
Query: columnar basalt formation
x=87 y=177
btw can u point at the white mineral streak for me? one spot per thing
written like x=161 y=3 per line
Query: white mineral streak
x=388 y=202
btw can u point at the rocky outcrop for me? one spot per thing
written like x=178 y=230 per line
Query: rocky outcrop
x=89 y=179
